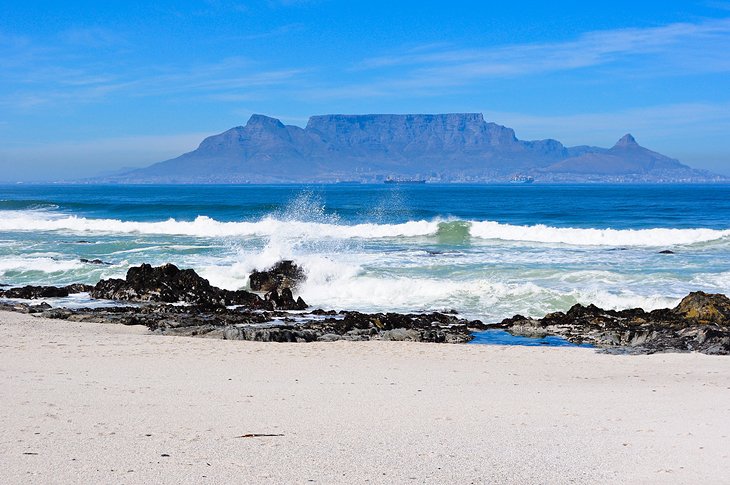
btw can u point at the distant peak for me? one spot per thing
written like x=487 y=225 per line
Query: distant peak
x=263 y=120
x=626 y=141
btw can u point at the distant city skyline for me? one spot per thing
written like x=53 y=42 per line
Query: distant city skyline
x=89 y=87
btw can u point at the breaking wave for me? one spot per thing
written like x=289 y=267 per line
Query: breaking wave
x=443 y=231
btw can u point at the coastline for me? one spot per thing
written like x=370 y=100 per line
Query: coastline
x=379 y=411
x=179 y=302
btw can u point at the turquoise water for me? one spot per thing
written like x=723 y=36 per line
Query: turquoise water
x=488 y=251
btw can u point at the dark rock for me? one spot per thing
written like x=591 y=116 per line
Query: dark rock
x=246 y=299
x=93 y=261
x=57 y=313
x=273 y=334
x=319 y=311
x=170 y=284
x=24 y=307
x=269 y=326
x=705 y=308
x=284 y=274
x=284 y=300
x=32 y=292
x=79 y=288
x=401 y=334
x=701 y=322
x=666 y=251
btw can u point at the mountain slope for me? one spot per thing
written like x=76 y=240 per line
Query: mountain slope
x=444 y=147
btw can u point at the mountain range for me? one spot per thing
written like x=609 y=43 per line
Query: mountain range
x=458 y=147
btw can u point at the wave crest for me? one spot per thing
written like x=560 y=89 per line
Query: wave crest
x=444 y=232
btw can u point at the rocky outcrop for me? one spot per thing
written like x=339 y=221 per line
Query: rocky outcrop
x=701 y=322
x=284 y=300
x=93 y=261
x=329 y=326
x=33 y=292
x=165 y=283
x=170 y=284
x=270 y=326
x=705 y=308
x=284 y=274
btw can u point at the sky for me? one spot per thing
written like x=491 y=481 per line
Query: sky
x=87 y=88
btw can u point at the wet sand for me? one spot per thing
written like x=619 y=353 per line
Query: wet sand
x=84 y=403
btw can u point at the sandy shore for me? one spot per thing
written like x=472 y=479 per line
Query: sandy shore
x=91 y=403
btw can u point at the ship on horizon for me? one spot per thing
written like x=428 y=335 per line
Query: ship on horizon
x=391 y=180
x=521 y=179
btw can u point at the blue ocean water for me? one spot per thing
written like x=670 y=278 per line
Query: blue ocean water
x=500 y=337
x=487 y=251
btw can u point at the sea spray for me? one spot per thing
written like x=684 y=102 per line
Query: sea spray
x=488 y=252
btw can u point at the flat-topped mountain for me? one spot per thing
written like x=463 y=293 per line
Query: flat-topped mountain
x=459 y=147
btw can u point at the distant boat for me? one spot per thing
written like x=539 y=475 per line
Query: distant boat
x=390 y=180
x=521 y=179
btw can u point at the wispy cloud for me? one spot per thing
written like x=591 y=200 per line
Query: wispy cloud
x=665 y=122
x=35 y=76
x=710 y=38
x=718 y=5
x=93 y=37
x=679 y=48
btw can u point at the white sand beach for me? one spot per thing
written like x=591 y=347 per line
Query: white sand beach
x=92 y=403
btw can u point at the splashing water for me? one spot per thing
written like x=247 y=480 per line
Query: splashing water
x=488 y=252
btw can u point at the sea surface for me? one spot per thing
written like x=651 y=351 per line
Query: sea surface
x=487 y=251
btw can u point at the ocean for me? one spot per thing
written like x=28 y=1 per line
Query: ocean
x=486 y=251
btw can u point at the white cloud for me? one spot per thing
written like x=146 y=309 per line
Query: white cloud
x=678 y=48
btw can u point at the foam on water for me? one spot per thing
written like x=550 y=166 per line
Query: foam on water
x=40 y=264
x=449 y=232
x=594 y=237
x=398 y=252
x=363 y=281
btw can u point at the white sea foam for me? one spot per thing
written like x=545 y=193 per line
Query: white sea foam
x=358 y=281
x=480 y=297
x=595 y=237
x=203 y=226
x=40 y=264
x=715 y=281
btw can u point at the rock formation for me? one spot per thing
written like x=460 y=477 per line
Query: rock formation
x=284 y=274
x=270 y=326
x=33 y=292
x=701 y=322
x=170 y=284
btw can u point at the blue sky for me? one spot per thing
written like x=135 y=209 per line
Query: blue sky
x=88 y=87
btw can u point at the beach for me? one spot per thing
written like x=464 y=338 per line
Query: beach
x=85 y=402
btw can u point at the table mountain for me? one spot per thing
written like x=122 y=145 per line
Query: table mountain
x=459 y=147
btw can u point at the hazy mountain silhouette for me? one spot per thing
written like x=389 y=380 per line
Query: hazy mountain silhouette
x=459 y=147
